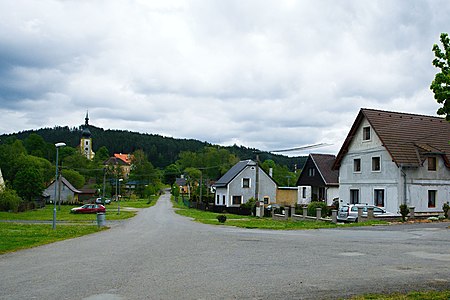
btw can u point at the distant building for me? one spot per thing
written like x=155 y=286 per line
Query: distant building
x=86 y=140
x=122 y=161
x=2 y=182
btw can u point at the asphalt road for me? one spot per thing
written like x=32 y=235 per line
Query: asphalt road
x=160 y=255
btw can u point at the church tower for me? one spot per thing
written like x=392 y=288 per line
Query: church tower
x=86 y=140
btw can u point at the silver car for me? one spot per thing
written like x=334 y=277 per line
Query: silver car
x=349 y=212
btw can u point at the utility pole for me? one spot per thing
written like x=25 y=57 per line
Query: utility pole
x=257 y=179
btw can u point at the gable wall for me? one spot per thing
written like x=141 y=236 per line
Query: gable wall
x=366 y=181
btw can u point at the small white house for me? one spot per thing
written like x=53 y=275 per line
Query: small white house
x=243 y=181
x=392 y=158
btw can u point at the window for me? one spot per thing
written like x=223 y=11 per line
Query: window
x=357 y=165
x=245 y=182
x=266 y=200
x=87 y=143
x=304 y=192
x=354 y=196
x=432 y=198
x=218 y=199
x=378 y=196
x=237 y=200
x=311 y=172
x=223 y=200
x=376 y=165
x=366 y=133
x=432 y=164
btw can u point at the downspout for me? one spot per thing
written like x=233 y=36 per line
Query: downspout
x=404 y=185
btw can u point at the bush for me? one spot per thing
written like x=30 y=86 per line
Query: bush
x=445 y=208
x=221 y=218
x=250 y=205
x=9 y=201
x=404 y=211
x=315 y=204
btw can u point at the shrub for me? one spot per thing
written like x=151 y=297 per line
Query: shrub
x=221 y=218
x=250 y=205
x=315 y=204
x=445 y=208
x=404 y=211
x=9 y=201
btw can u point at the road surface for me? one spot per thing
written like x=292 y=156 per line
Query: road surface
x=161 y=255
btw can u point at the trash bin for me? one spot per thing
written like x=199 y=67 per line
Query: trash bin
x=101 y=220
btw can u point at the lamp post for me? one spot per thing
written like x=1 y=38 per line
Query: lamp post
x=57 y=145
x=117 y=195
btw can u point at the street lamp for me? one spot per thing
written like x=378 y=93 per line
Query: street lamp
x=117 y=195
x=57 y=145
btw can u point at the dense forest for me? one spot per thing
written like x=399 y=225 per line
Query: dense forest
x=161 y=151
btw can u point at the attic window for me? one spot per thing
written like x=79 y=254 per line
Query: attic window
x=366 y=133
x=432 y=164
x=245 y=182
x=311 y=172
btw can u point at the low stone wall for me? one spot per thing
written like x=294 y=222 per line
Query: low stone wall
x=304 y=216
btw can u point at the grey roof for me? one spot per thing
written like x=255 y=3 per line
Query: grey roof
x=180 y=181
x=68 y=184
x=233 y=172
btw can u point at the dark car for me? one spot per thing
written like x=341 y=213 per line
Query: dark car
x=88 y=209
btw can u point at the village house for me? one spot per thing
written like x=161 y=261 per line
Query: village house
x=392 y=158
x=243 y=181
x=318 y=181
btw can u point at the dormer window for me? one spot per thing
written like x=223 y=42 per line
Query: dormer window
x=432 y=165
x=366 y=133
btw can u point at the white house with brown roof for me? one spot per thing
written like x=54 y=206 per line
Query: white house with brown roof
x=391 y=158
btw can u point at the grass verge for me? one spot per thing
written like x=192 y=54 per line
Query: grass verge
x=427 y=295
x=206 y=217
x=21 y=236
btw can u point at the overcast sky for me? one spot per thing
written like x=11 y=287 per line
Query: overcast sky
x=264 y=74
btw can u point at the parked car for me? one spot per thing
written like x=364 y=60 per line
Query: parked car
x=349 y=212
x=102 y=201
x=88 y=209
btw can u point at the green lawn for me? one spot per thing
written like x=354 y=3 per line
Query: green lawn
x=46 y=213
x=21 y=236
x=261 y=223
x=430 y=295
x=15 y=236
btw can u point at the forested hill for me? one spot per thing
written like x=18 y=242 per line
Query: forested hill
x=161 y=151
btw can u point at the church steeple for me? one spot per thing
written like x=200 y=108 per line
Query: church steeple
x=86 y=140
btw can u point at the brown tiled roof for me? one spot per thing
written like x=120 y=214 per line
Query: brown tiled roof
x=324 y=163
x=409 y=138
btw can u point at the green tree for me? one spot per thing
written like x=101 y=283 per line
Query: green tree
x=441 y=83
x=143 y=172
x=36 y=146
x=29 y=183
x=9 y=200
x=171 y=172
x=101 y=155
x=75 y=178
